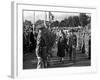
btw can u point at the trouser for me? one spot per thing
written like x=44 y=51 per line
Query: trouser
x=67 y=53
x=42 y=63
x=89 y=56
x=72 y=54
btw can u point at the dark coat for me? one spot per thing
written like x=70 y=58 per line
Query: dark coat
x=33 y=41
x=61 y=47
x=89 y=48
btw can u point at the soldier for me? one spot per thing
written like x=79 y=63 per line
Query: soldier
x=89 y=56
x=41 y=49
x=72 y=46
x=61 y=46
x=67 y=46
x=32 y=41
x=83 y=46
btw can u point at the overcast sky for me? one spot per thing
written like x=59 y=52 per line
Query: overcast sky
x=29 y=15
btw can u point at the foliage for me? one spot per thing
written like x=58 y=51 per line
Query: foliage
x=39 y=22
x=73 y=21
x=62 y=23
x=76 y=21
x=55 y=24
x=83 y=19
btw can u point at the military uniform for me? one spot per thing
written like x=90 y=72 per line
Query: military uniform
x=72 y=47
x=89 y=56
x=41 y=51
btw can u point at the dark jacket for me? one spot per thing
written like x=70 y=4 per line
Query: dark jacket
x=61 y=47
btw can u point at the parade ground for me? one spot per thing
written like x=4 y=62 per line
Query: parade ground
x=30 y=61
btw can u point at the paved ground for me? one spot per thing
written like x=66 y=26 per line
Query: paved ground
x=30 y=61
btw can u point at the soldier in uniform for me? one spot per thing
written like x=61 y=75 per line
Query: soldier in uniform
x=32 y=41
x=41 y=49
x=72 y=46
x=61 y=46
x=89 y=56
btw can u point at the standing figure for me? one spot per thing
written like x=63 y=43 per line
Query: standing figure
x=61 y=47
x=89 y=56
x=72 y=46
x=67 y=46
x=41 y=49
x=83 y=47
x=32 y=41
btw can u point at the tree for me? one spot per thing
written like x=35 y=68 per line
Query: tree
x=62 y=23
x=66 y=22
x=39 y=22
x=70 y=21
x=76 y=21
x=83 y=19
x=55 y=24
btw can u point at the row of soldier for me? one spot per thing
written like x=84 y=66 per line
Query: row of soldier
x=64 y=44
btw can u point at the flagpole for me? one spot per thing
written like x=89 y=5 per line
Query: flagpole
x=49 y=19
x=45 y=16
x=45 y=19
x=33 y=20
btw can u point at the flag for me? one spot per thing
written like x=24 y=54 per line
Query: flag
x=51 y=17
